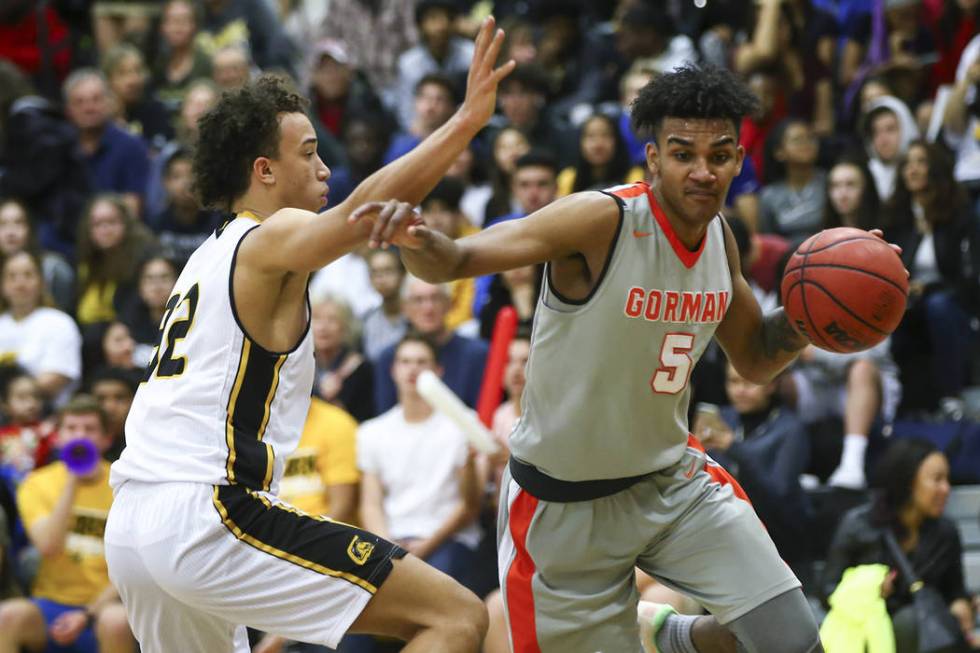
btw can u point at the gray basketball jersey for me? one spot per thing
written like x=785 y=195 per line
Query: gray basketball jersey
x=607 y=379
x=215 y=407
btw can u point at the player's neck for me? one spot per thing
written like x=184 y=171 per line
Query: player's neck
x=259 y=206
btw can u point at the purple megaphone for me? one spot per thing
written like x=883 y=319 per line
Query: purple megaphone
x=80 y=456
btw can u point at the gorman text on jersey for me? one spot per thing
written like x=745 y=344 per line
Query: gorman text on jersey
x=683 y=307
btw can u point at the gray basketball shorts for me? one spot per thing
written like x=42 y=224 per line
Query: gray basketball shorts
x=567 y=569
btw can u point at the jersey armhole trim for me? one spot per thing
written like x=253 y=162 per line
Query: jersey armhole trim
x=234 y=308
x=605 y=266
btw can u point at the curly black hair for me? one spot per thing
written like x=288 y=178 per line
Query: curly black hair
x=241 y=127
x=691 y=92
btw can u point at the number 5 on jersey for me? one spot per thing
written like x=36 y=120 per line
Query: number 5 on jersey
x=173 y=330
x=675 y=364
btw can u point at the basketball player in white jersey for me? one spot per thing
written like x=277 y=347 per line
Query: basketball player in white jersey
x=197 y=543
x=604 y=475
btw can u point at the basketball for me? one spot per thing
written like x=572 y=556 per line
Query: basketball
x=845 y=289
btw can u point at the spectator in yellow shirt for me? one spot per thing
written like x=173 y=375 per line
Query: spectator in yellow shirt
x=321 y=476
x=73 y=606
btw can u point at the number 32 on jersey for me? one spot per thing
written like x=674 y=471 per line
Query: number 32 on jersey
x=176 y=324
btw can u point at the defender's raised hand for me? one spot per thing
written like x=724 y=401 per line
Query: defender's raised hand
x=483 y=77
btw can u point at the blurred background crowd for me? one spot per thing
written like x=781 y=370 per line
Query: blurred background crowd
x=869 y=117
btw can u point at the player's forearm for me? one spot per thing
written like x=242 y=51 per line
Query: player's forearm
x=411 y=177
x=439 y=261
x=777 y=345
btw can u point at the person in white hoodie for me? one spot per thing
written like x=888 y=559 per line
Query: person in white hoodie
x=888 y=128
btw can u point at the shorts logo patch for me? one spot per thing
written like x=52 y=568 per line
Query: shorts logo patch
x=359 y=550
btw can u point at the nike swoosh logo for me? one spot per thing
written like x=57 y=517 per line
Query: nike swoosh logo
x=642 y=234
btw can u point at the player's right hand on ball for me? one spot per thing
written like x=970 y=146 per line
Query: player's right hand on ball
x=395 y=223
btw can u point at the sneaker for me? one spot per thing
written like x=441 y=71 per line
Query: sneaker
x=848 y=477
x=651 y=617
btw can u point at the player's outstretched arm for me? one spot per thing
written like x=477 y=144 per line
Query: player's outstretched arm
x=759 y=346
x=567 y=227
x=293 y=240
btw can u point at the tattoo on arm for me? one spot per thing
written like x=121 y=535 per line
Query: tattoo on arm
x=779 y=336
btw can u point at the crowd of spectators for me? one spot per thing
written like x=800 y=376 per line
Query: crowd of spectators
x=869 y=117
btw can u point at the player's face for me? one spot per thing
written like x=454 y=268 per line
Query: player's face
x=845 y=187
x=22 y=283
x=300 y=175
x=598 y=142
x=695 y=161
x=930 y=490
x=915 y=172
x=746 y=397
x=514 y=375
x=23 y=404
x=411 y=359
x=14 y=230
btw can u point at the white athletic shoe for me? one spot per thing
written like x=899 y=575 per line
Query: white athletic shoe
x=651 y=616
x=848 y=477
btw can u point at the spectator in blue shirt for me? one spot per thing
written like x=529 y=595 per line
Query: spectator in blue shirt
x=118 y=162
x=461 y=359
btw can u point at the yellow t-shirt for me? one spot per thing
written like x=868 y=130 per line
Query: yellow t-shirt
x=461 y=292
x=325 y=456
x=96 y=303
x=79 y=573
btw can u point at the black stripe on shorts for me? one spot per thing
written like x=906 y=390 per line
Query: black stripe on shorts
x=327 y=547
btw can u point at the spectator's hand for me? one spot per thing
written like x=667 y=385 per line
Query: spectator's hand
x=888 y=585
x=720 y=439
x=481 y=82
x=329 y=386
x=270 y=644
x=68 y=626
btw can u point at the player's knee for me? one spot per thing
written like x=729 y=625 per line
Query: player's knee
x=113 y=624
x=468 y=618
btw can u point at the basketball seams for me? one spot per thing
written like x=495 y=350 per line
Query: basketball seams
x=824 y=248
x=845 y=307
x=806 y=309
x=840 y=266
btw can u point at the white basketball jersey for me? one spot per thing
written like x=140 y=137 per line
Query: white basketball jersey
x=215 y=407
x=607 y=379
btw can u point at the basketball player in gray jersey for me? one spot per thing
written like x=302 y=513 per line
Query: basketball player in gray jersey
x=604 y=475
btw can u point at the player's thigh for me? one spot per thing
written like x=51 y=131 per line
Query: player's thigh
x=160 y=622
x=417 y=596
x=783 y=623
x=718 y=552
x=566 y=572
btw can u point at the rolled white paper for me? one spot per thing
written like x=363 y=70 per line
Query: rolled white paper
x=440 y=397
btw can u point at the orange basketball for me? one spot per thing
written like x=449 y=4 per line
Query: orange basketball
x=845 y=289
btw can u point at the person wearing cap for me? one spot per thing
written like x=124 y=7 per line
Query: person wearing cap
x=337 y=93
x=439 y=50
